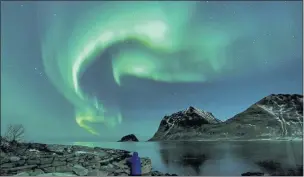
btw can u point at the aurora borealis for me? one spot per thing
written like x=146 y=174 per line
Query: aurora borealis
x=149 y=59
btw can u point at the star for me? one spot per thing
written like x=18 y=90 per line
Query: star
x=54 y=14
x=40 y=73
x=21 y=5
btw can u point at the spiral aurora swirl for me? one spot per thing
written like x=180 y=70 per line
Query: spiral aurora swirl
x=180 y=50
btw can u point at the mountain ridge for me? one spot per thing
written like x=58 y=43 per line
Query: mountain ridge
x=273 y=117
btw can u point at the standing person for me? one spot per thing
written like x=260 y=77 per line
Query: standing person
x=135 y=164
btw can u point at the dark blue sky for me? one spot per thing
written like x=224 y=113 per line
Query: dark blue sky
x=222 y=58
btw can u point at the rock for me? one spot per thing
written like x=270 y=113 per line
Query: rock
x=167 y=174
x=146 y=165
x=273 y=117
x=72 y=159
x=22 y=174
x=49 y=169
x=46 y=160
x=253 y=174
x=4 y=159
x=21 y=168
x=80 y=153
x=122 y=164
x=57 y=174
x=33 y=161
x=97 y=173
x=157 y=173
x=80 y=170
x=14 y=158
x=94 y=165
x=106 y=161
x=37 y=172
x=20 y=162
x=58 y=163
x=66 y=156
x=45 y=165
x=7 y=165
x=130 y=137
x=123 y=174
x=63 y=169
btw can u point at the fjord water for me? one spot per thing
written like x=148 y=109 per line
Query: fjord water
x=212 y=157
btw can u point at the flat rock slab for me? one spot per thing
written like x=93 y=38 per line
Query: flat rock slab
x=22 y=174
x=98 y=173
x=57 y=174
x=80 y=170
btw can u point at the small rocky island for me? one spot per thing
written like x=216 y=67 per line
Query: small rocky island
x=130 y=137
x=35 y=159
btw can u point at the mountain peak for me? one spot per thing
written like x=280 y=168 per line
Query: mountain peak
x=188 y=120
x=282 y=103
x=283 y=98
x=195 y=112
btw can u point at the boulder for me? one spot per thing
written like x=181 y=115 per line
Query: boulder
x=97 y=173
x=23 y=174
x=36 y=172
x=253 y=174
x=80 y=170
x=57 y=174
x=146 y=165
x=14 y=158
x=158 y=173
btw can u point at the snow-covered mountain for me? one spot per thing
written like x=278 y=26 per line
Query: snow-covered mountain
x=274 y=117
x=183 y=124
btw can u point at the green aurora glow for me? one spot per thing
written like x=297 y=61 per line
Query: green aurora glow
x=179 y=50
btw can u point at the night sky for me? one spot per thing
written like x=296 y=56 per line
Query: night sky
x=96 y=71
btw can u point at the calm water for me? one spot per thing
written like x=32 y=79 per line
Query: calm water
x=212 y=158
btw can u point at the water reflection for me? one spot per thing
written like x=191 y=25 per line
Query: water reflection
x=228 y=158
x=184 y=155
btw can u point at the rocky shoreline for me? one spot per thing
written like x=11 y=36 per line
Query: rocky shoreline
x=33 y=159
